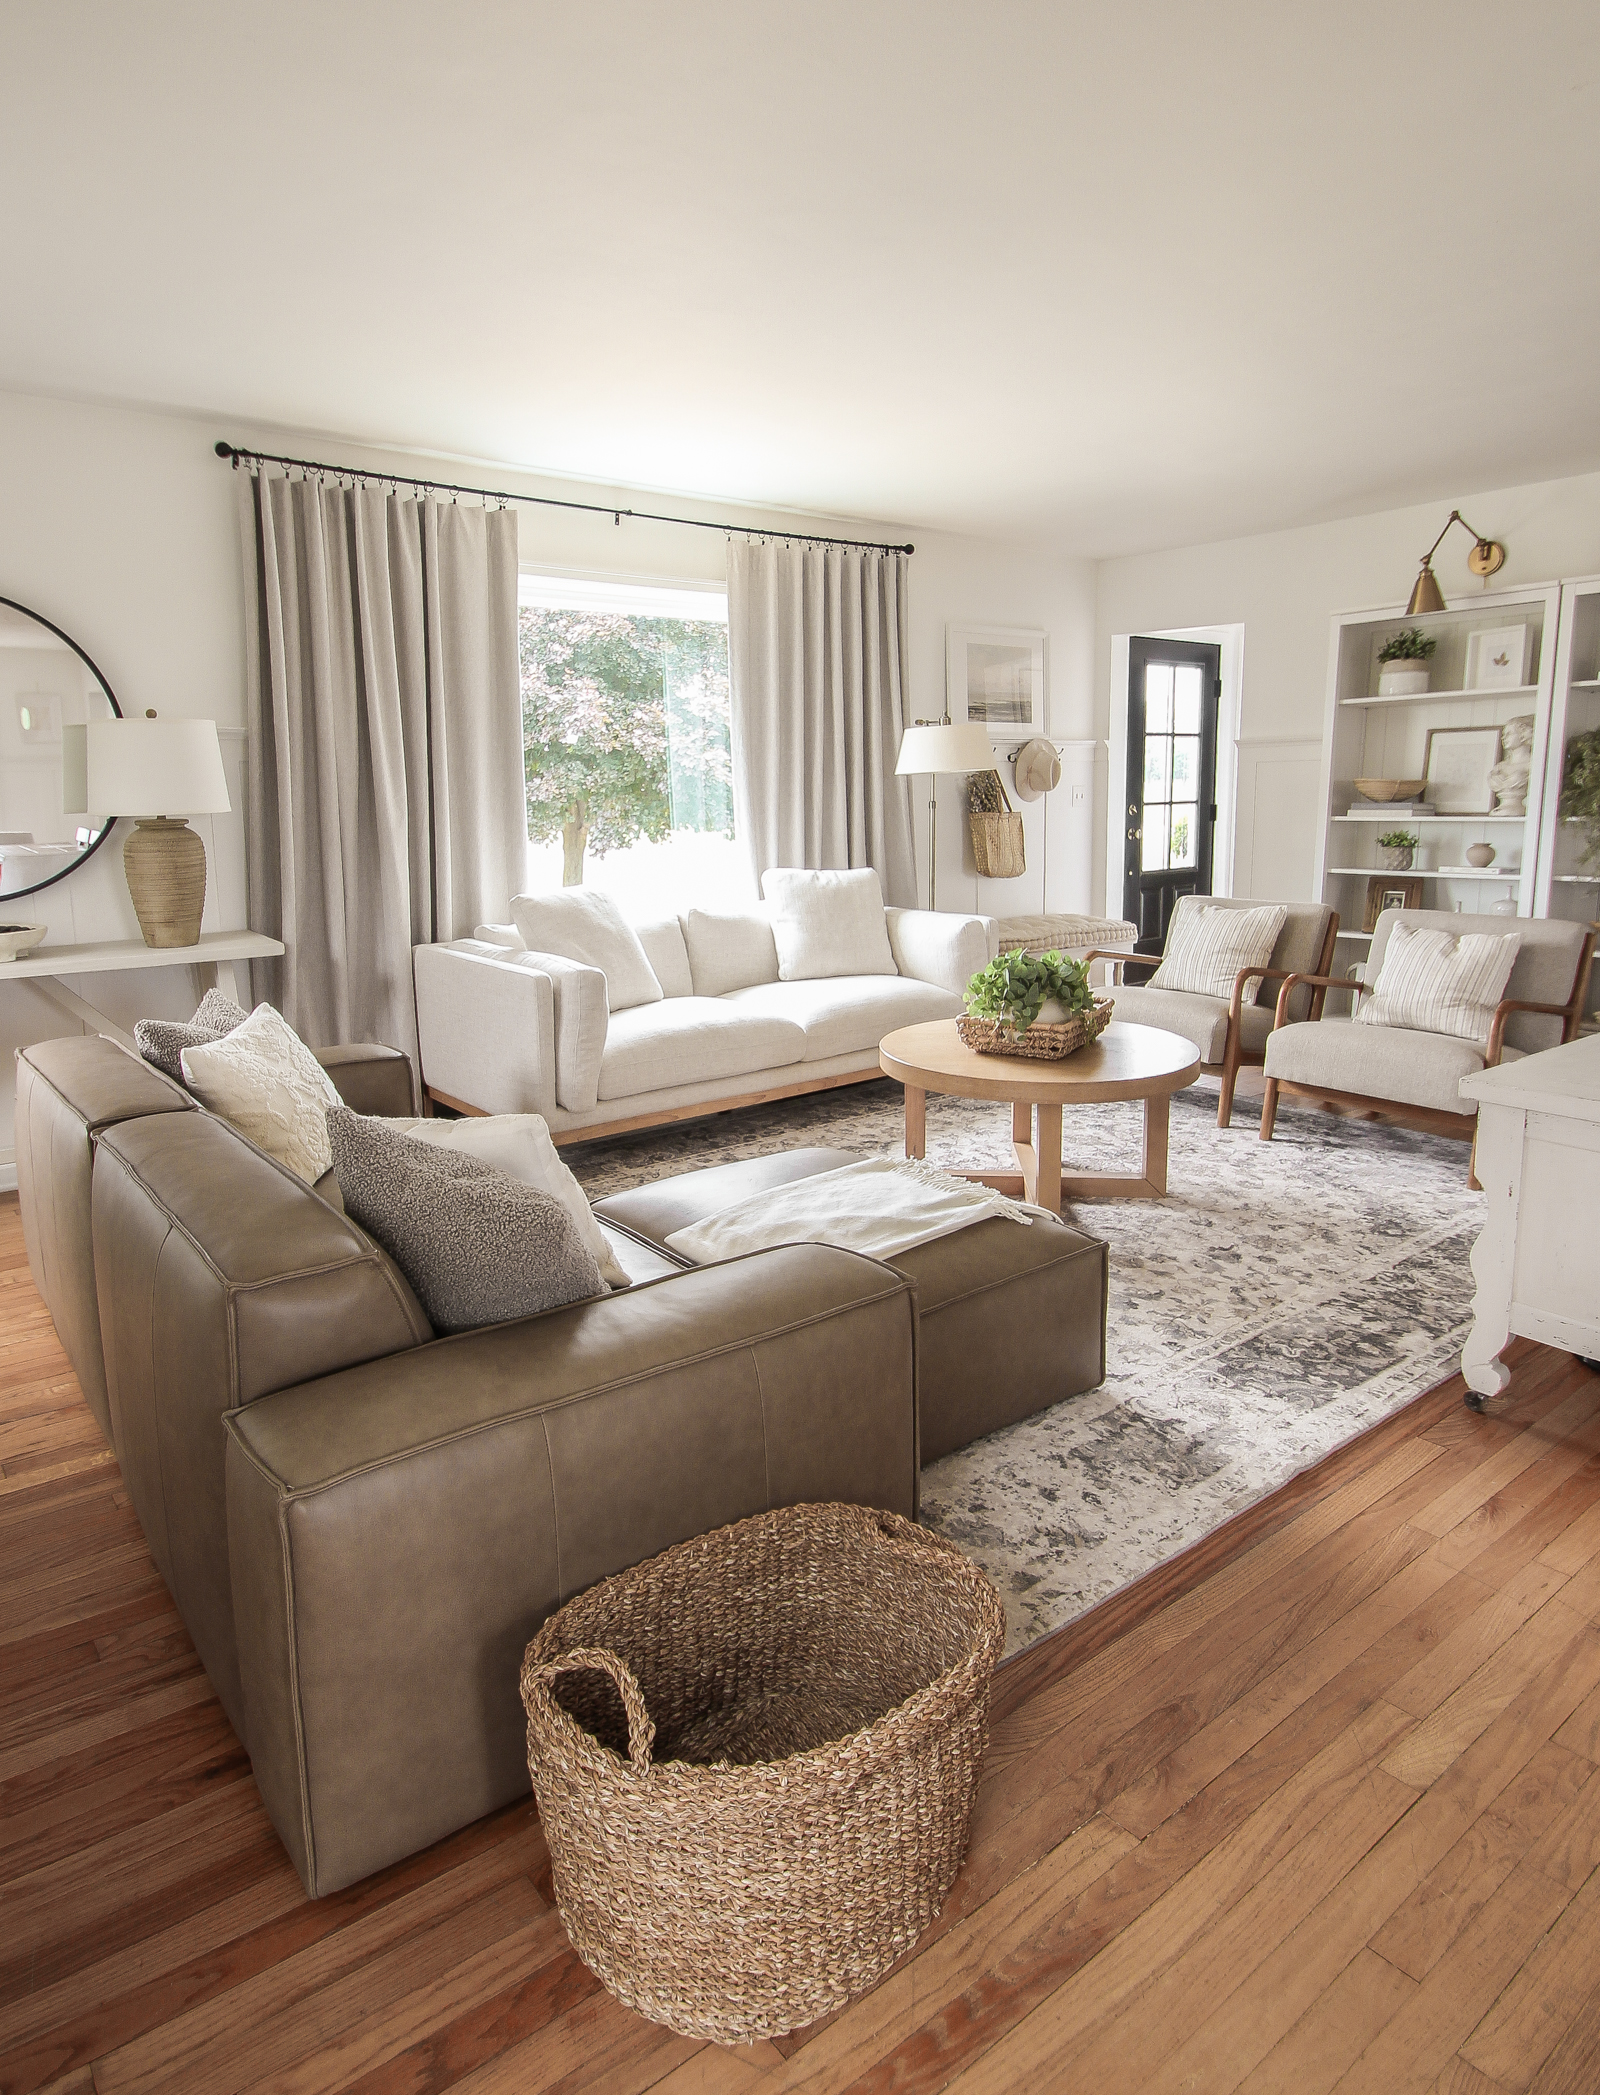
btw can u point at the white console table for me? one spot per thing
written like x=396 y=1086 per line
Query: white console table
x=49 y=967
x=1537 y=1262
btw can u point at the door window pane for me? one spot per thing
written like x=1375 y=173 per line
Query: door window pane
x=1185 y=766
x=1184 y=827
x=1187 y=699
x=1158 y=698
x=1155 y=839
x=1158 y=768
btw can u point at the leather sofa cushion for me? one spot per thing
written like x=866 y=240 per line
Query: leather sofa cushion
x=1413 y=1069
x=1010 y=1320
x=847 y=1014
x=693 y=1040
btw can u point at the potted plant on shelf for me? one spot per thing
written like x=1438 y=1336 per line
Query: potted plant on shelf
x=1403 y=662
x=1399 y=848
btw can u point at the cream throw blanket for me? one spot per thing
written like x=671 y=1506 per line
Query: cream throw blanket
x=882 y=1206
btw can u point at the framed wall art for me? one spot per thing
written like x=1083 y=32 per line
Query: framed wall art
x=1458 y=764
x=994 y=675
x=1388 y=892
x=1497 y=657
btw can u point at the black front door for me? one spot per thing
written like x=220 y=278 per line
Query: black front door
x=1171 y=800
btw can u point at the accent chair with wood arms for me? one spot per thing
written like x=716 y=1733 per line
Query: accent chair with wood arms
x=1230 y=1033
x=1412 y=1078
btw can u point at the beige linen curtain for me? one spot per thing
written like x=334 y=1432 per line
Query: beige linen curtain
x=384 y=798
x=817 y=646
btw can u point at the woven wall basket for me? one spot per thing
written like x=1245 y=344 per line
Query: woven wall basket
x=987 y=1036
x=755 y=1759
x=997 y=845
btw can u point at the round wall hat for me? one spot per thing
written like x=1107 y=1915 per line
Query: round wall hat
x=1038 y=769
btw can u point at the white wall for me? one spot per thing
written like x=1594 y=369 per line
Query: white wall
x=121 y=527
x=1283 y=587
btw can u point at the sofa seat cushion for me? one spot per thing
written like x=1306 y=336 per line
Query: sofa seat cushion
x=1204 y=1020
x=846 y=1014
x=693 y=1040
x=1413 y=1069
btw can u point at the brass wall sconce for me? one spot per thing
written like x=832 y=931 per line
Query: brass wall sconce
x=1486 y=558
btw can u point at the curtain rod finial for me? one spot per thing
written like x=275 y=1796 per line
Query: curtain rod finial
x=224 y=449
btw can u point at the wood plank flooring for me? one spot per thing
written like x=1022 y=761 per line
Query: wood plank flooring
x=1315 y=1807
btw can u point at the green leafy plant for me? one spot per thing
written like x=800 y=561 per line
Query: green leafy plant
x=1013 y=987
x=1409 y=645
x=1580 y=790
x=1399 y=840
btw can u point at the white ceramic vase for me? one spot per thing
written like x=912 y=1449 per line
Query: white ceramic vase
x=1402 y=679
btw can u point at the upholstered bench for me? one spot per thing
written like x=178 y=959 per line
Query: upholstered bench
x=1009 y=1320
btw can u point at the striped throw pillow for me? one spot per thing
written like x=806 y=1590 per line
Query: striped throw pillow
x=1208 y=945
x=1433 y=983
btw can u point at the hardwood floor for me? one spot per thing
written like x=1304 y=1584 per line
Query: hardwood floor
x=1315 y=1807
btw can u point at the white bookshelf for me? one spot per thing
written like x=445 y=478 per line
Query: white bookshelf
x=1368 y=736
x=1563 y=885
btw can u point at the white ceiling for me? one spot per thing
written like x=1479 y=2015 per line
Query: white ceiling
x=1121 y=275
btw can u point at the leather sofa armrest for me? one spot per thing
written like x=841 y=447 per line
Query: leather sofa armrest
x=397 y=1532
x=371 y=1078
x=939 y=947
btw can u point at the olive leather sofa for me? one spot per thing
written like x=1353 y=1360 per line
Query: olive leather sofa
x=361 y=1523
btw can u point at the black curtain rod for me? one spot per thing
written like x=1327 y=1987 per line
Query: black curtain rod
x=238 y=454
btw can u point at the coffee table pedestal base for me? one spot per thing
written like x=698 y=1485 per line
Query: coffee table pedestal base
x=1036 y=1138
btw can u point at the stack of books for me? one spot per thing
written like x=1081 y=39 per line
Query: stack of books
x=1360 y=805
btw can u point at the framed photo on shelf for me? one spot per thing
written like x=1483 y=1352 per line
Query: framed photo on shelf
x=1457 y=768
x=995 y=676
x=1497 y=657
x=1390 y=891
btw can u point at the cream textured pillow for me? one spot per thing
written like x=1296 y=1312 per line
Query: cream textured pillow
x=265 y=1080
x=1207 y=946
x=519 y=1144
x=1432 y=983
x=827 y=924
x=732 y=950
x=580 y=925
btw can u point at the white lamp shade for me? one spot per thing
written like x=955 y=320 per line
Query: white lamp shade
x=155 y=767
x=954 y=745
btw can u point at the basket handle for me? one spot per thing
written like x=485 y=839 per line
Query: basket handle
x=593 y=1659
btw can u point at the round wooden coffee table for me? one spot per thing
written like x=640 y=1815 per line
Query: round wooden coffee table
x=1125 y=1062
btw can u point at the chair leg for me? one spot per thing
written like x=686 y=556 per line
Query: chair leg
x=1230 y=1077
x=1269 y=1109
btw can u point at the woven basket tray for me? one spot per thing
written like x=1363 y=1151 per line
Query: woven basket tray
x=755 y=1759
x=987 y=1036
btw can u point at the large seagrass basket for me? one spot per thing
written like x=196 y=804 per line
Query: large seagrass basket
x=1040 y=1043
x=755 y=1759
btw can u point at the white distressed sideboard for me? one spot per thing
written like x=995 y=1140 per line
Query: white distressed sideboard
x=1537 y=1263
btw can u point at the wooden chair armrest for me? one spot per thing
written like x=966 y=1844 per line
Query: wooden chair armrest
x=1121 y=955
x=1280 y=1017
x=1503 y=1011
x=1251 y=974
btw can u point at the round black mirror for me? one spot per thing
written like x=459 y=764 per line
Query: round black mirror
x=49 y=692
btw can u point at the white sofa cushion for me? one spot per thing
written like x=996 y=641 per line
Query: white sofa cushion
x=850 y=1013
x=693 y=1040
x=1413 y=1069
x=1207 y=945
x=662 y=939
x=1431 y=982
x=580 y=924
x=827 y=923
x=732 y=950
x=504 y=935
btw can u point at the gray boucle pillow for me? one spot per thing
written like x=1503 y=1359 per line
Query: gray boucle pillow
x=161 y=1041
x=478 y=1247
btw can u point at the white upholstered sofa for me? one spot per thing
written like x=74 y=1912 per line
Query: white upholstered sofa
x=506 y=1029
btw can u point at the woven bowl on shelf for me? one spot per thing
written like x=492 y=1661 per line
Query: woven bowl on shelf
x=1390 y=788
x=755 y=1758
x=989 y=1036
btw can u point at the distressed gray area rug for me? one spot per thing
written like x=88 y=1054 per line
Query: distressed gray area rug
x=1284 y=1297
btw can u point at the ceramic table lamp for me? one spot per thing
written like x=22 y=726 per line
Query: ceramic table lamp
x=159 y=772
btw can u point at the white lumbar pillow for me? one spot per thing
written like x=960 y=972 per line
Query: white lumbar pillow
x=827 y=923
x=579 y=924
x=1208 y=944
x=519 y=1144
x=1431 y=982
x=263 y=1079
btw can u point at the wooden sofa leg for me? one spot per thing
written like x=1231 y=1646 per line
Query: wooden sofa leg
x=1269 y=1109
